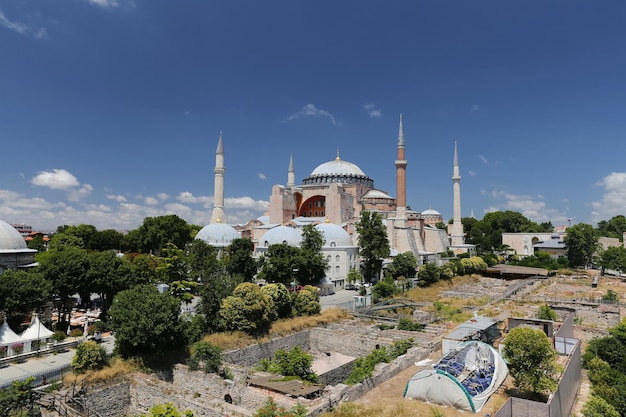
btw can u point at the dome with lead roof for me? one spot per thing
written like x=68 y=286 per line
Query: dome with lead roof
x=281 y=234
x=334 y=235
x=218 y=234
x=339 y=171
x=10 y=238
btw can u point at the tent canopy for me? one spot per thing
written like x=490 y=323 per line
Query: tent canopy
x=464 y=378
x=8 y=336
x=36 y=330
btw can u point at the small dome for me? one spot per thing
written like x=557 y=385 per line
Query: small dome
x=338 y=167
x=431 y=212
x=282 y=234
x=334 y=235
x=377 y=194
x=10 y=238
x=218 y=234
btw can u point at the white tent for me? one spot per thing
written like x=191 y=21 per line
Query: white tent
x=36 y=331
x=8 y=337
x=464 y=378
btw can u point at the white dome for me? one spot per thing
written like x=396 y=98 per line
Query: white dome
x=281 y=234
x=376 y=194
x=337 y=167
x=218 y=234
x=10 y=238
x=334 y=235
x=431 y=212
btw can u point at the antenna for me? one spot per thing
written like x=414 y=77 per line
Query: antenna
x=569 y=221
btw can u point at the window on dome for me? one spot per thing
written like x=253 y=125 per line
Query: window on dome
x=337 y=258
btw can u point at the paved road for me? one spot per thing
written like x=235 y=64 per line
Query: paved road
x=342 y=298
x=44 y=366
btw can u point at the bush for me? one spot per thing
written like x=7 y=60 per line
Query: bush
x=295 y=362
x=410 y=325
x=89 y=356
x=271 y=409
x=58 y=336
x=546 y=313
x=206 y=356
x=307 y=301
x=364 y=366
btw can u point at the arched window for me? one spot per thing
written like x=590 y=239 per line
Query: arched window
x=333 y=244
x=337 y=258
x=337 y=269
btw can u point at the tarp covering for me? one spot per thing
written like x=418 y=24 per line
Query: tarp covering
x=8 y=336
x=464 y=378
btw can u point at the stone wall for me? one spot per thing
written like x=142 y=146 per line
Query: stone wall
x=111 y=400
x=251 y=355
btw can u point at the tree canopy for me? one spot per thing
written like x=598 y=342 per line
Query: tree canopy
x=581 y=242
x=373 y=244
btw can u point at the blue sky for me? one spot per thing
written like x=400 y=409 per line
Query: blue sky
x=110 y=110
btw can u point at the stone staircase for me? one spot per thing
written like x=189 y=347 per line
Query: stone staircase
x=65 y=402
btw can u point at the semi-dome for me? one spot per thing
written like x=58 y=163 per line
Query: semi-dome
x=281 y=234
x=218 y=234
x=334 y=235
x=339 y=171
x=10 y=238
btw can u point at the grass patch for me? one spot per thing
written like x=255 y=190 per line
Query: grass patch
x=117 y=368
x=239 y=340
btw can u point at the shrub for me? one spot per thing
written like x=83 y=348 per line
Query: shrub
x=410 y=325
x=546 y=313
x=364 y=366
x=206 y=356
x=76 y=333
x=89 y=356
x=271 y=409
x=58 y=336
x=295 y=362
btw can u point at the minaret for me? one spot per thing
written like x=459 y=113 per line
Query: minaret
x=457 y=237
x=401 y=178
x=291 y=173
x=218 y=189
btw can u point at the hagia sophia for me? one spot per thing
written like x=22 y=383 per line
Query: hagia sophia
x=332 y=198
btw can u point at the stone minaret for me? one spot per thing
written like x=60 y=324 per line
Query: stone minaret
x=457 y=237
x=291 y=173
x=218 y=190
x=401 y=177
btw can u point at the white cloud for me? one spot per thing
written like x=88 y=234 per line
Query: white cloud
x=162 y=196
x=532 y=207
x=22 y=28
x=151 y=201
x=472 y=173
x=372 y=111
x=57 y=179
x=614 y=197
x=14 y=26
x=105 y=4
x=262 y=176
x=82 y=192
x=187 y=197
x=245 y=203
x=482 y=158
x=118 y=198
x=311 y=110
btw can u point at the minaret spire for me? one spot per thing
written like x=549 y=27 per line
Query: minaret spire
x=218 y=186
x=291 y=173
x=457 y=237
x=401 y=177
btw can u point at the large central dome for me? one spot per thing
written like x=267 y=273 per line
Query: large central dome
x=339 y=171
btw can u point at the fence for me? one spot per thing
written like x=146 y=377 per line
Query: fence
x=41 y=378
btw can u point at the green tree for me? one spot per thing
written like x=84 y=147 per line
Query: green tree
x=373 y=244
x=17 y=399
x=428 y=274
x=281 y=300
x=144 y=321
x=546 y=313
x=248 y=310
x=104 y=240
x=213 y=290
x=403 y=265
x=383 y=289
x=306 y=302
x=598 y=407
x=22 y=292
x=581 y=242
x=156 y=232
x=202 y=260
x=89 y=356
x=239 y=259
x=37 y=242
x=294 y=362
x=205 y=356
x=311 y=264
x=66 y=268
x=271 y=409
x=610 y=349
x=167 y=410
x=354 y=276
x=279 y=263
x=84 y=232
x=613 y=258
x=171 y=264
x=615 y=227
x=110 y=274
x=532 y=360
